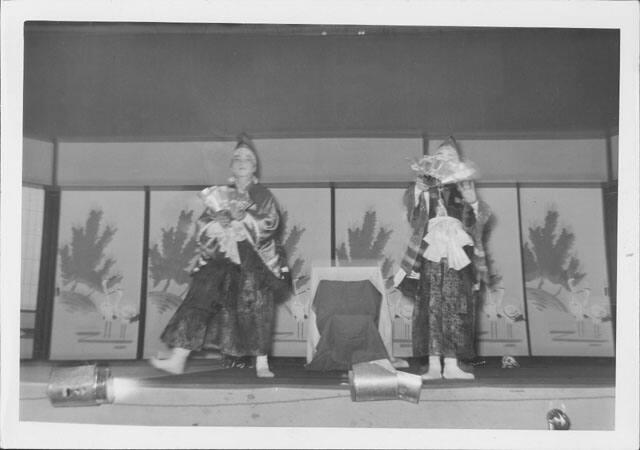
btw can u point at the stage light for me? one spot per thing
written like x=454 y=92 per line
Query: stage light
x=379 y=380
x=124 y=388
x=558 y=420
x=86 y=385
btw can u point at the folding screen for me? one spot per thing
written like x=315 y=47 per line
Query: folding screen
x=306 y=231
x=172 y=250
x=501 y=314
x=306 y=236
x=99 y=266
x=565 y=271
x=371 y=225
x=32 y=217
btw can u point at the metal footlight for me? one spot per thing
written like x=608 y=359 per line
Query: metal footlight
x=87 y=385
x=379 y=380
x=558 y=420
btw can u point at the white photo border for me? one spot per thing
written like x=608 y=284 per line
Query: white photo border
x=553 y=14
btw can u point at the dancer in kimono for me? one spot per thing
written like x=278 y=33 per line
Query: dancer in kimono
x=444 y=265
x=239 y=273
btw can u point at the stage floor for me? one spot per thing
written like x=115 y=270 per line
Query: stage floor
x=209 y=395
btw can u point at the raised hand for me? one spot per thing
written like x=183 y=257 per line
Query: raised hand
x=421 y=185
x=468 y=191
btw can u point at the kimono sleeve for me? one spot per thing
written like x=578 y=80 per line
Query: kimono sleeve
x=476 y=229
x=412 y=204
x=262 y=218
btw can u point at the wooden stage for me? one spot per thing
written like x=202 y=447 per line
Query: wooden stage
x=208 y=394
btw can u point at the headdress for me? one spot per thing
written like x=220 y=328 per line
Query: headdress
x=445 y=165
x=244 y=142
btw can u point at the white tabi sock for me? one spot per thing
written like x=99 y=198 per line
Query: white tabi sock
x=175 y=363
x=453 y=372
x=262 y=367
x=435 y=369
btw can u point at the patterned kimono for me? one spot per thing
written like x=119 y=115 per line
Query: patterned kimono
x=443 y=321
x=229 y=306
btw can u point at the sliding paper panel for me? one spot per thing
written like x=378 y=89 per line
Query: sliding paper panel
x=172 y=250
x=566 y=272
x=96 y=309
x=371 y=225
x=32 y=217
x=306 y=237
x=501 y=314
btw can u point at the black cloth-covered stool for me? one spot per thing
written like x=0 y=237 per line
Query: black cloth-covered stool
x=347 y=318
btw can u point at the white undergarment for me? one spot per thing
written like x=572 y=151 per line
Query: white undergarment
x=446 y=239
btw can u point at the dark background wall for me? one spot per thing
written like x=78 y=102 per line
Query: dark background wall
x=176 y=81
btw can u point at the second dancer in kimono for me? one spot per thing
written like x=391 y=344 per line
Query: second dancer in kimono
x=444 y=265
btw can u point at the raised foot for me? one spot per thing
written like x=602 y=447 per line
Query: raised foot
x=168 y=365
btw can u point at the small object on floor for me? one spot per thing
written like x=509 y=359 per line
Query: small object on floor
x=509 y=362
x=558 y=420
x=379 y=380
x=478 y=363
x=233 y=362
x=88 y=385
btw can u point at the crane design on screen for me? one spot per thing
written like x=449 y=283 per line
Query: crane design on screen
x=90 y=285
x=556 y=283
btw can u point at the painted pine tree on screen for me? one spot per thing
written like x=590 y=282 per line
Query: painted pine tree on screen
x=170 y=261
x=297 y=304
x=549 y=263
x=363 y=243
x=555 y=282
x=82 y=261
x=90 y=285
x=290 y=240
